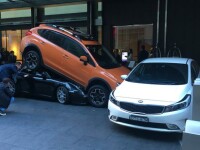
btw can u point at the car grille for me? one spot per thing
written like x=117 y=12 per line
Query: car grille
x=146 y=109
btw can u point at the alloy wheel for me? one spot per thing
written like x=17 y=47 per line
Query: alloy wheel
x=32 y=60
x=62 y=95
x=97 y=96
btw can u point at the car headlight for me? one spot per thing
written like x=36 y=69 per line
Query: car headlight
x=184 y=103
x=113 y=100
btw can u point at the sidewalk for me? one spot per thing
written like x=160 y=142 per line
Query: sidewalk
x=40 y=125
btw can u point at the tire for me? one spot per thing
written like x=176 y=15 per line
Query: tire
x=98 y=96
x=62 y=95
x=32 y=60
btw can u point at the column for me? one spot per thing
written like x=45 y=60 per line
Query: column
x=92 y=14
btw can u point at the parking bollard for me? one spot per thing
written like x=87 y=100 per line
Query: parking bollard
x=191 y=135
x=196 y=100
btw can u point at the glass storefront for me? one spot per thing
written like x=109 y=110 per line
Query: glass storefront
x=11 y=32
x=11 y=41
x=71 y=14
x=132 y=37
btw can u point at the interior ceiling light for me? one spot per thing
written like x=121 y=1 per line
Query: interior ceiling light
x=2 y=1
x=13 y=0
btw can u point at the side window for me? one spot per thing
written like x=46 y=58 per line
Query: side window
x=43 y=33
x=195 y=67
x=52 y=36
x=56 y=38
x=65 y=42
x=73 y=47
x=193 y=75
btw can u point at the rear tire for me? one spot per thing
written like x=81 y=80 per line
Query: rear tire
x=62 y=95
x=32 y=60
x=98 y=96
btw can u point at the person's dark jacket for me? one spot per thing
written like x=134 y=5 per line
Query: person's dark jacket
x=5 y=95
x=7 y=71
x=12 y=58
x=142 y=55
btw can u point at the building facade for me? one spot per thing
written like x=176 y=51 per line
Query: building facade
x=173 y=21
x=116 y=24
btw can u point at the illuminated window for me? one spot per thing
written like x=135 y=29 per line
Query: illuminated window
x=11 y=40
x=66 y=9
x=132 y=37
x=15 y=13
x=20 y=16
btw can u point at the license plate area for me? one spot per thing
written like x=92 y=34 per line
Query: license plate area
x=138 y=118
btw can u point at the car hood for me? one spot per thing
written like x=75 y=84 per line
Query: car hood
x=151 y=93
x=116 y=73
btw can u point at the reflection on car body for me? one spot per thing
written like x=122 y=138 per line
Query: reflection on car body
x=41 y=84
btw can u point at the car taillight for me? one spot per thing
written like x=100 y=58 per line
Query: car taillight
x=28 y=33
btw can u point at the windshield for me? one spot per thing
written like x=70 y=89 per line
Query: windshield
x=103 y=57
x=159 y=73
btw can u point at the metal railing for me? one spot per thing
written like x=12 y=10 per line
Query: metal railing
x=174 y=51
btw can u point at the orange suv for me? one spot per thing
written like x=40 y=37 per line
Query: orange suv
x=75 y=56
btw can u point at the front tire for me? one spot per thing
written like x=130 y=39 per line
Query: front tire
x=98 y=96
x=32 y=60
x=62 y=95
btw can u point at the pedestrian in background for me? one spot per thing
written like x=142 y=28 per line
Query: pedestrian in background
x=4 y=54
x=117 y=56
x=143 y=54
x=6 y=95
x=12 y=57
x=130 y=55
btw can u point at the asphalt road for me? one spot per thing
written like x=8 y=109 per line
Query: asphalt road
x=43 y=125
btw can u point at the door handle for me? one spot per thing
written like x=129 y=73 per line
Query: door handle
x=66 y=57
x=42 y=42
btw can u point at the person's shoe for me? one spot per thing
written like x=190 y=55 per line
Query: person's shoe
x=2 y=113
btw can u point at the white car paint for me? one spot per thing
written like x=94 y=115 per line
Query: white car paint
x=137 y=100
x=153 y=93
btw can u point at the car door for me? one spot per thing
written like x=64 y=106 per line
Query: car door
x=44 y=87
x=50 y=46
x=23 y=85
x=71 y=64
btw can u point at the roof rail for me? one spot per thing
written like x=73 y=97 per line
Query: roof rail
x=73 y=31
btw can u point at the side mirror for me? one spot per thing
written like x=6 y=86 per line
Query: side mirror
x=124 y=76
x=84 y=59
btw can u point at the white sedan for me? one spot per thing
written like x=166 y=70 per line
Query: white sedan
x=156 y=95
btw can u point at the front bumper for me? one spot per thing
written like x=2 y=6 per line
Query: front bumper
x=163 y=122
x=78 y=97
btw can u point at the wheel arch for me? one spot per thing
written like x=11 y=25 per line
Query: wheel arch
x=31 y=47
x=98 y=81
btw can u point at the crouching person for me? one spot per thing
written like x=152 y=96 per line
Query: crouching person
x=6 y=96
